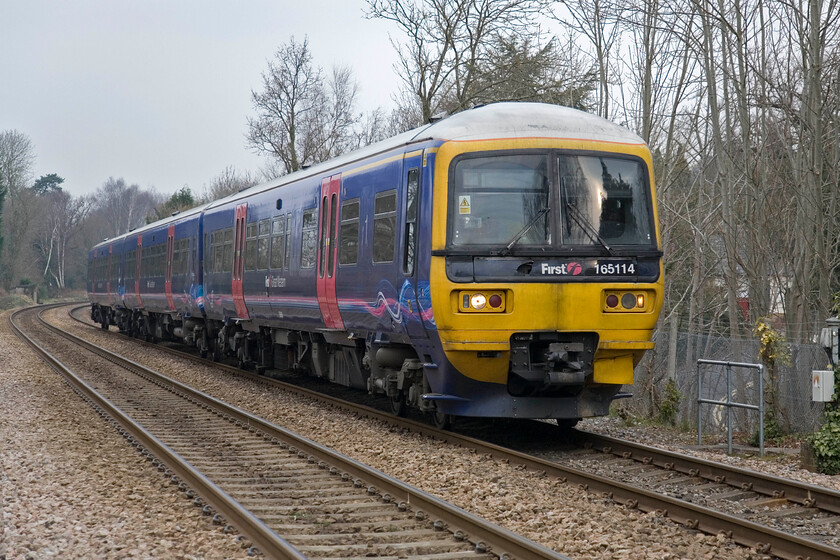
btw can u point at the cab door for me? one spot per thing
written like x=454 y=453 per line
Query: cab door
x=239 y=261
x=137 y=270
x=108 y=295
x=170 y=243
x=409 y=250
x=328 y=252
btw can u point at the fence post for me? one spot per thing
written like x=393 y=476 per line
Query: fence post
x=729 y=403
x=699 y=414
x=761 y=409
x=728 y=409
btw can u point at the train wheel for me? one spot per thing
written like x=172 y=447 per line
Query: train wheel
x=566 y=424
x=217 y=350
x=442 y=421
x=398 y=405
x=202 y=344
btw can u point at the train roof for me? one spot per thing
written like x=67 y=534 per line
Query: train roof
x=175 y=218
x=529 y=120
x=494 y=121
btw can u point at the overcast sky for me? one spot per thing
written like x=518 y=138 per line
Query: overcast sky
x=158 y=92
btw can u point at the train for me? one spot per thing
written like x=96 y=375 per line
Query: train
x=502 y=262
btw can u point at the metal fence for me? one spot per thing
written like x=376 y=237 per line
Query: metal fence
x=797 y=412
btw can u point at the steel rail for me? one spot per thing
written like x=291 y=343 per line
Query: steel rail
x=808 y=495
x=762 y=538
x=268 y=542
x=486 y=536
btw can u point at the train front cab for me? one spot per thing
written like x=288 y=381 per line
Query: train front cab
x=546 y=276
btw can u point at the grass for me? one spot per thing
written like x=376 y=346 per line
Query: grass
x=13 y=300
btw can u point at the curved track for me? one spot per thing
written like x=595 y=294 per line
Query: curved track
x=263 y=479
x=782 y=517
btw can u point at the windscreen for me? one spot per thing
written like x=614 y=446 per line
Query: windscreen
x=550 y=201
x=603 y=196
x=497 y=197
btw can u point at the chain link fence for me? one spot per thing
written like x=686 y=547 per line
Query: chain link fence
x=796 y=411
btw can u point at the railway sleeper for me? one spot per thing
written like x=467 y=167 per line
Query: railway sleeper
x=390 y=369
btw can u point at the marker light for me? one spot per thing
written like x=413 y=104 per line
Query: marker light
x=478 y=301
x=495 y=301
x=628 y=301
x=619 y=301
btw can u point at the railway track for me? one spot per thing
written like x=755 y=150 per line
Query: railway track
x=291 y=497
x=777 y=516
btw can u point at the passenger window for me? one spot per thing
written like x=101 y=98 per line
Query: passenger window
x=129 y=266
x=384 y=226
x=278 y=242
x=288 y=240
x=227 y=265
x=251 y=247
x=218 y=251
x=309 y=239
x=262 y=244
x=348 y=251
x=176 y=258
x=185 y=256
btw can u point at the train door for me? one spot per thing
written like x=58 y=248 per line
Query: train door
x=137 y=270
x=108 y=296
x=410 y=285
x=239 y=260
x=170 y=244
x=94 y=276
x=328 y=252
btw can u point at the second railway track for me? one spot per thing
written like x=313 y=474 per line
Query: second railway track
x=292 y=497
x=777 y=516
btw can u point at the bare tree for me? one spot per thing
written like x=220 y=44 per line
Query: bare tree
x=302 y=118
x=598 y=22
x=228 y=182
x=335 y=130
x=17 y=156
x=123 y=207
x=446 y=43
x=63 y=217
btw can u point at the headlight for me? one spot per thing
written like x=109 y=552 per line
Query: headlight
x=484 y=301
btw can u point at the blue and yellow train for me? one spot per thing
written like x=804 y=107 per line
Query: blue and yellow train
x=502 y=262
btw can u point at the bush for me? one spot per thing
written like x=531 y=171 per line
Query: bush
x=670 y=406
x=773 y=431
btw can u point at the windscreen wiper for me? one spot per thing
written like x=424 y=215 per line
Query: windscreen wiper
x=524 y=230
x=586 y=225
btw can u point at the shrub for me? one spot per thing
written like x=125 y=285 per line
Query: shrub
x=670 y=406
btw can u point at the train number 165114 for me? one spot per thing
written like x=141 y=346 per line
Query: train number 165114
x=615 y=269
